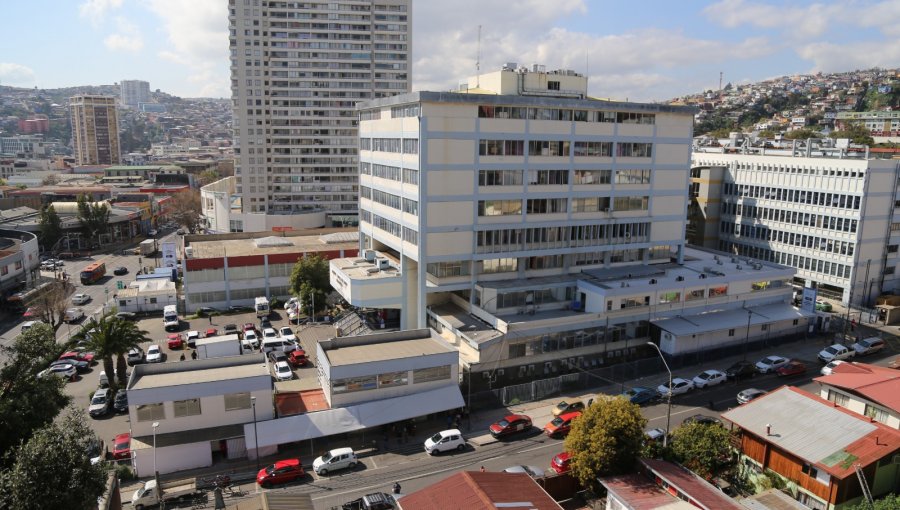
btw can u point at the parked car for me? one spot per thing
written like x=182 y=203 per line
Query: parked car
x=101 y=403
x=532 y=471
x=65 y=371
x=264 y=323
x=679 y=386
x=829 y=368
x=709 y=378
x=561 y=425
x=568 y=407
x=283 y=371
x=749 y=394
x=374 y=501
x=445 y=441
x=512 y=424
x=29 y=313
x=120 y=403
x=869 y=345
x=180 y=231
x=251 y=339
x=702 y=419
x=191 y=338
x=269 y=333
x=175 y=341
x=641 y=396
x=287 y=334
x=297 y=358
x=793 y=368
x=122 y=446
x=154 y=355
x=231 y=329
x=128 y=316
x=823 y=306
x=280 y=472
x=206 y=311
x=291 y=303
x=152 y=232
x=80 y=366
x=835 y=352
x=211 y=332
x=249 y=326
x=655 y=434
x=86 y=356
x=73 y=315
x=560 y=463
x=740 y=370
x=770 y=364
x=277 y=356
x=121 y=270
x=135 y=356
x=334 y=460
x=80 y=299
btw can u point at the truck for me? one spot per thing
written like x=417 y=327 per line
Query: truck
x=148 y=247
x=262 y=307
x=218 y=346
x=172 y=492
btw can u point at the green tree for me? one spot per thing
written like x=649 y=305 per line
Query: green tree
x=27 y=402
x=93 y=216
x=802 y=134
x=186 y=209
x=52 y=304
x=309 y=281
x=703 y=448
x=857 y=133
x=52 y=469
x=605 y=440
x=208 y=176
x=889 y=502
x=50 y=228
x=111 y=337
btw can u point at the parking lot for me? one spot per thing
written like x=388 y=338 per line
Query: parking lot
x=112 y=424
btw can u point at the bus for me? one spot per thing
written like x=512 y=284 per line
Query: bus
x=93 y=272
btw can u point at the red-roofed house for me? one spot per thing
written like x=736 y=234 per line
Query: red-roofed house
x=865 y=389
x=481 y=491
x=817 y=446
x=665 y=485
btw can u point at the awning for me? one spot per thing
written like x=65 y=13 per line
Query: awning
x=347 y=419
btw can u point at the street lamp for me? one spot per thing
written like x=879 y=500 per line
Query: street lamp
x=747 y=338
x=255 y=436
x=155 y=472
x=668 y=394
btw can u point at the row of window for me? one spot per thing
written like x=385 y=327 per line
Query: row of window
x=517 y=239
x=393 y=173
x=190 y=407
x=560 y=205
x=787 y=259
x=390 y=379
x=522 y=112
x=396 y=145
x=565 y=340
x=762 y=233
x=793 y=217
x=796 y=196
x=488 y=147
x=561 y=177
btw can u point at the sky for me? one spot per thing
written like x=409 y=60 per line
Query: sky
x=644 y=50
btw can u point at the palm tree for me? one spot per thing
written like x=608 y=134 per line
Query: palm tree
x=111 y=337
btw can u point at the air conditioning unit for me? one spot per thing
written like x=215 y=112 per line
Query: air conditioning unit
x=382 y=263
x=369 y=255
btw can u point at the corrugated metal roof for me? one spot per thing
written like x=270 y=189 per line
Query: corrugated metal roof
x=641 y=493
x=276 y=501
x=730 y=319
x=698 y=489
x=481 y=491
x=878 y=384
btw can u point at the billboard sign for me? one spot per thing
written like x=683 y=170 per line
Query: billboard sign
x=169 y=255
x=809 y=300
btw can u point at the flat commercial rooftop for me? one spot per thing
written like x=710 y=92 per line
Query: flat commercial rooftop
x=182 y=377
x=270 y=244
x=382 y=351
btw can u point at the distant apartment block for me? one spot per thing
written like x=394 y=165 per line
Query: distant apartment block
x=880 y=124
x=298 y=71
x=829 y=212
x=134 y=92
x=23 y=146
x=35 y=124
x=95 y=130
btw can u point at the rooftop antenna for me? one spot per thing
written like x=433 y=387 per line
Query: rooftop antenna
x=721 y=74
x=478 y=61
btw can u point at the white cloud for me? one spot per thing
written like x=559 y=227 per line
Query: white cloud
x=127 y=37
x=95 y=10
x=829 y=57
x=16 y=75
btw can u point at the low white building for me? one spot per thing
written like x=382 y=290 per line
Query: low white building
x=150 y=295
x=199 y=408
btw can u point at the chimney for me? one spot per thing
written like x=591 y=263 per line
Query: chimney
x=768 y=429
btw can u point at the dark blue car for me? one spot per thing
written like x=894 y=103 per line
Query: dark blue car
x=640 y=396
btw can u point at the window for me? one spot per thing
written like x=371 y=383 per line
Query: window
x=730 y=332
x=695 y=294
x=879 y=415
x=552 y=85
x=499 y=207
x=354 y=384
x=499 y=177
x=517 y=351
x=546 y=205
x=548 y=177
x=592 y=176
x=501 y=148
x=393 y=379
x=431 y=374
x=838 y=398
x=449 y=269
x=235 y=401
x=506 y=265
x=189 y=407
x=670 y=297
x=634 y=150
x=151 y=412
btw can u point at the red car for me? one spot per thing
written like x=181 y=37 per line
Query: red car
x=122 y=446
x=792 y=368
x=176 y=341
x=561 y=425
x=282 y=471
x=560 y=463
x=79 y=356
x=29 y=313
x=509 y=425
x=211 y=332
x=297 y=358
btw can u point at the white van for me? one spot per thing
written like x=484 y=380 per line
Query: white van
x=339 y=458
x=262 y=307
x=277 y=344
x=170 y=318
x=30 y=324
x=445 y=441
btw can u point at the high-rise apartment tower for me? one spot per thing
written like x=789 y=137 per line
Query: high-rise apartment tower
x=95 y=129
x=297 y=72
x=134 y=92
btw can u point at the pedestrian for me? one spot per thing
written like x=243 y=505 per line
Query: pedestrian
x=210 y=318
x=396 y=487
x=193 y=354
x=482 y=469
x=182 y=356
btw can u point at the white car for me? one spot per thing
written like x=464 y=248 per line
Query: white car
x=269 y=333
x=291 y=303
x=73 y=315
x=287 y=334
x=679 y=386
x=771 y=364
x=445 y=441
x=154 y=355
x=152 y=233
x=283 y=371
x=80 y=299
x=829 y=368
x=709 y=378
x=191 y=337
x=252 y=339
x=834 y=352
x=65 y=371
x=869 y=345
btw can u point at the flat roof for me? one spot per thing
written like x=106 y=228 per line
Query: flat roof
x=268 y=243
x=179 y=373
x=386 y=350
x=360 y=268
x=728 y=319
